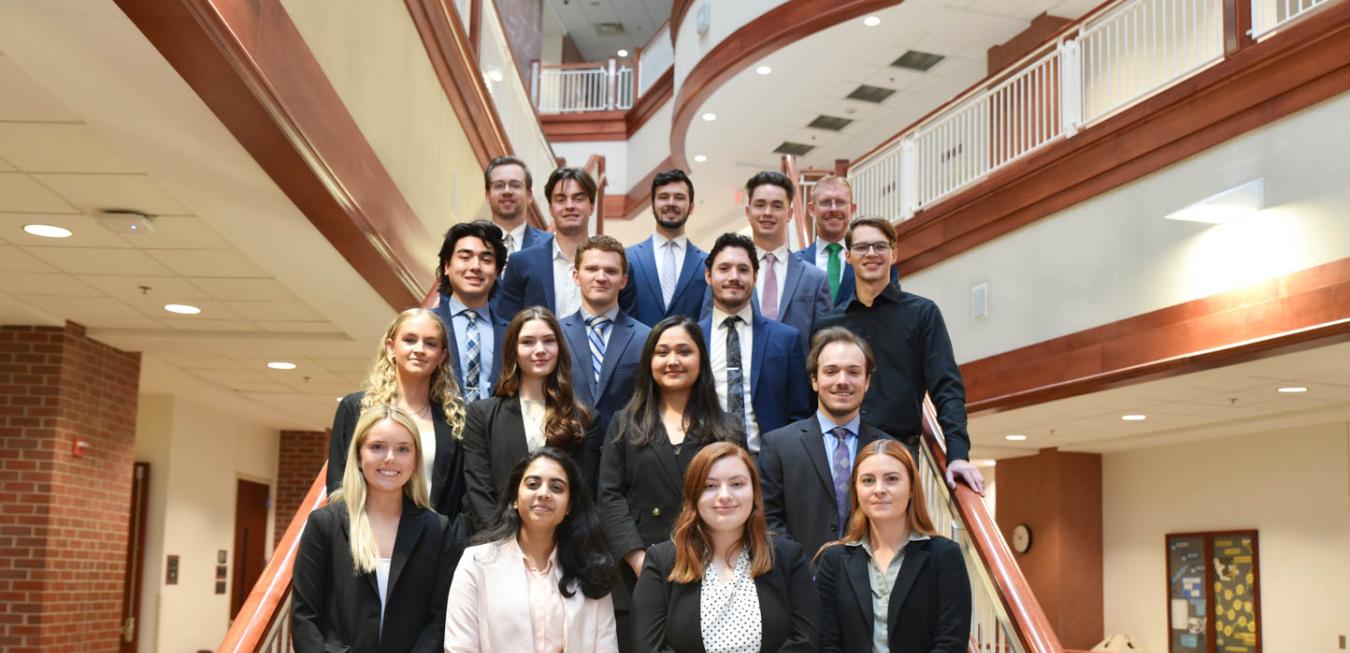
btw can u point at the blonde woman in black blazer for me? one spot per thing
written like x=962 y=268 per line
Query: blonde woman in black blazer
x=721 y=584
x=536 y=371
x=375 y=564
x=927 y=605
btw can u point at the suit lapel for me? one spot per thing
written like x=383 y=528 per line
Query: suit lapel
x=453 y=347
x=574 y=330
x=916 y=555
x=620 y=333
x=859 y=580
x=346 y=530
x=409 y=531
x=686 y=272
x=498 y=333
x=794 y=276
x=513 y=432
x=446 y=446
x=814 y=442
x=550 y=300
x=646 y=260
x=665 y=454
x=760 y=334
x=866 y=434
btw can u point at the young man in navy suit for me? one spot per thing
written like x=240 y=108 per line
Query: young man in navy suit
x=509 y=187
x=832 y=210
x=666 y=277
x=469 y=260
x=787 y=288
x=757 y=363
x=542 y=275
x=606 y=343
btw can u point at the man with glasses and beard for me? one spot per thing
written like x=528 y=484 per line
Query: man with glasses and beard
x=912 y=350
x=665 y=274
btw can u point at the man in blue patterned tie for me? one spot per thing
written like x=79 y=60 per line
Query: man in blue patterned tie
x=606 y=343
x=470 y=257
x=805 y=466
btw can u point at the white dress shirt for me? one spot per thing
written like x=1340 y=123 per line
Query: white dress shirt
x=779 y=268
x=745 y=330
x=566 y=294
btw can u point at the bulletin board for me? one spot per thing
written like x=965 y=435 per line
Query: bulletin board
x=1213 y=592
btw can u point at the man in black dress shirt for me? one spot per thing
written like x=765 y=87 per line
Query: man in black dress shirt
x=912 y=349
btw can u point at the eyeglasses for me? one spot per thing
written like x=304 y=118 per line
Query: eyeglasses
x=832 y=204
x=503 y=185
x=863 y=249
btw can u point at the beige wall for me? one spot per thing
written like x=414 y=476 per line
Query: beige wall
x=1293 y=486
x=196 y=455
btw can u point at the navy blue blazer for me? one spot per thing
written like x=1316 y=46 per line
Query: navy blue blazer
x=848 y=285
x=623 y=354
x=641 y=298
x=532 y=238
x=528 y=281
x=779 y=388
x=498 y=333
x=806 y=298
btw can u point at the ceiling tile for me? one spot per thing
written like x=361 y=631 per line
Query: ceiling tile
x=200 y=362
x=20 y=194
x=58 y=147
x=96 y=260
x=157 y=291
x=13 y=259
x=25 y=99
x=46 y=284
x=276 y=311
x=85 y=230
x=208 y=263
x=5 y=166
x=299 y=327
x=93 y=312
x=177 y=232
x=345 y=365
x=192 y=323
x=92 y=193
x=244 y=289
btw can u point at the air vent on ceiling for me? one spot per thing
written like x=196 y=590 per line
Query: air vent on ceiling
x=867 y=93
x=609 y=29
x=795 y=149
x=831 y=123
x=920 y=61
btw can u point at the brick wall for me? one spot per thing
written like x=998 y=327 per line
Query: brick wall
x=63 y=519
x=300 y=456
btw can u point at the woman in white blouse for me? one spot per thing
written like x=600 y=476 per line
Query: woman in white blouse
x=722 y=584
x=539 y=578
x=533 y=406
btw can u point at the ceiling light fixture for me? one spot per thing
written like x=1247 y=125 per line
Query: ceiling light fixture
x=763 y=70
x=1134 y=417
x=710 y=117
x=47 y=231
x=872 y=21
x=281 y=365
x=1237 y=202
x=1016 y=437
x=1292 y=389
x=700 y=158
x=622 y=53
x=182 y=309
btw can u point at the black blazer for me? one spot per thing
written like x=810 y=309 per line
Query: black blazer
x=623 y=354
x=494 y=441
x=641 y=489
x=447 y=469
x=666 y=614
x=798 y=487
x=929 y=606
x=334 y=610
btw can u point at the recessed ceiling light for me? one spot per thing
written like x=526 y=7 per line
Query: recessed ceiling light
x=872 y=21
x=182 y=309
x=1134 y=417
x=763 y=70
x=710 y=117
x=1016 y=437
x=622 y=53
x=47 y=230
x=281 y=365
x=1293 y=389
x=700 y=158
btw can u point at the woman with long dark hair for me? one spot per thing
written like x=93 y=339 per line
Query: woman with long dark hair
x=375 y=564
x=722 y=584
x=411 y=369
x=533 y=406
x=538 y=578
x=890 y=583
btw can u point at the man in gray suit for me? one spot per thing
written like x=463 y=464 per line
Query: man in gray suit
x=788 y=289
x=805 y=467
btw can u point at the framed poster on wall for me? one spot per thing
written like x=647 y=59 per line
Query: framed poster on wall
x=1213 y=592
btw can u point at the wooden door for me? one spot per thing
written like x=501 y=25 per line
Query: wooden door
x=250 y=534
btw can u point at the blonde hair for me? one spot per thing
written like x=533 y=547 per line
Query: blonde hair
x=365 y=549
x=832 y=179
x=381 y=384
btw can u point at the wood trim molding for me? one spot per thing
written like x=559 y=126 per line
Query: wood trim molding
x=678 y=10
x=1305 y=309
x=789 y=22
x=637 y=199
x=250 y=65
x=610 y=125
x=1302 y=65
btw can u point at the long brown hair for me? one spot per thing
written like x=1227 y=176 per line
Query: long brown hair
x=917 y=510
x=693 y=545
x=565 y=419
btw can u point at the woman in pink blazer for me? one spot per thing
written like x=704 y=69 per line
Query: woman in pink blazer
x=537 y=579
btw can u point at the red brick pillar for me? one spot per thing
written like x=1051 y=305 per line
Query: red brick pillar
x=64 y=513
x=300 y=457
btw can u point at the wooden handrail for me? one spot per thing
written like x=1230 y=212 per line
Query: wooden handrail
x=595 y=165
x=1028 y=619
x=262 y=608
x=789 y=168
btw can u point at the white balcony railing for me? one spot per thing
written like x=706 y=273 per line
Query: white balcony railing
x=571 y=88
x=1118 y=57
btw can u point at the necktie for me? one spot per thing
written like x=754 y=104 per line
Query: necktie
x=510 y=244
x=832 y=269
x=668 y=278
x=473 y=366
x=598 y=324
x=841 y=471
x=769 y=302
x=735 y=374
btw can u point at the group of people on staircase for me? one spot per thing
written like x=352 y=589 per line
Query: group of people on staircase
x=587 y=447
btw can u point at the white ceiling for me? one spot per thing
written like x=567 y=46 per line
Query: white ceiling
x=811 y=77
x=578 y=19
x=1218 y=403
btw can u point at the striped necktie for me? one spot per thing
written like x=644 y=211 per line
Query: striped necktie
x=596 y=336
x=473 y=354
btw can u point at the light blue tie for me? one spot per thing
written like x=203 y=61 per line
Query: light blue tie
x=668 y=279
x=598 y=326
